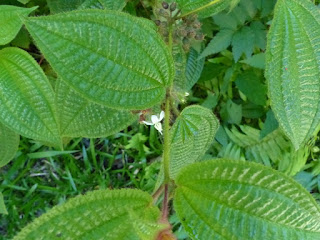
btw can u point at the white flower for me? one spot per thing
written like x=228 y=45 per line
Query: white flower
x=156 y=121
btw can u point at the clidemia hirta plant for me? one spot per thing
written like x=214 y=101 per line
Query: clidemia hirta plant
x=111 y=67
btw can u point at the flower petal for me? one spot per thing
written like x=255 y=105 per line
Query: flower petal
x=147 y=123
x=161 y=116
x=154 y=119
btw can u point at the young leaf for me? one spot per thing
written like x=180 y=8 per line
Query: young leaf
x=292 y=68
x=191 y=136
x=102 y=214
x=3 y=209
x=79 y=117
x=204 y=8
x=225 y=199
x=27 y=99
x=10 y=21
x=96 y=64
x=9 y=143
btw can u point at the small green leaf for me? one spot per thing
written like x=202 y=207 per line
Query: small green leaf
x=243 y=42
x=204 y=8
x=293 y=68
x=269 y=125
x=57 y=6
x=250 y=84
x=10 y=21
x=257 y=61
x=9 y=143
x=102 y=214
x=221 y=41
x=113 y=5
x=25 y=89
x=3 y=209
x=96 y=64
x=225 y=199
x=49 y=154
x=79 y=117
x=191 y=135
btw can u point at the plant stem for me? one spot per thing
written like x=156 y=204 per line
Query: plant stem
x=165 y=206
x=166 y=147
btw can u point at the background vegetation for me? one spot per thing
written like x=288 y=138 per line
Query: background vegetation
x=232 y=84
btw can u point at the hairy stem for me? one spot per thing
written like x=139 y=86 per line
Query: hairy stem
x=166 y=147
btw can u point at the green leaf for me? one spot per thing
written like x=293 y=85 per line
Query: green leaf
x=27 y=99
x=102 y=214
x=9 y=143
x=57 y=6
x=225 y=199
x=269 y=125
x=204 y=8
x=96 y=64
x=104 y=4
x=194 y=69
x=250 y=84
x=220 y=42
x=293 y=68
x=231 y=112
x=114 y=5
x=180 y=60
x=191 y=135
x=10 y=21
x=260 y=34
x=243 y=42
x=79 y=117
x=274 y=148
x=3 y=209
x=257 y=61
x=48 y=154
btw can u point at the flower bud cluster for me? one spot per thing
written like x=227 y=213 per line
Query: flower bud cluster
x=187 y=29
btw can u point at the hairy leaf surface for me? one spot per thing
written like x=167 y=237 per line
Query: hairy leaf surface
x=293 y=68
x=225 y=199
x=57 y=6
x=204 y=8
x=191 y=136
x=102 y=214
x=26 y=97
x=79 y=117
x=104 y=4
x=96 y=63
x=10 y=21
x=9 y=142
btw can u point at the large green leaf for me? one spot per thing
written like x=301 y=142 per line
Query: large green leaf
x=26 y=97
x=191 y=135
x=9 y=142
x=102 y=214
x=112 y=58
x=293 y=68
x=225 y=199
x=204 y=8
x=79 y=117
x=10 y=21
